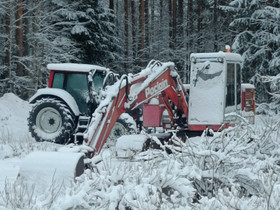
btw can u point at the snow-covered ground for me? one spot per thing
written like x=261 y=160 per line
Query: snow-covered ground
x=13 y=128
x=235 y=169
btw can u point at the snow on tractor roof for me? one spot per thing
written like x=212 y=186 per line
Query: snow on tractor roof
x=202 y=57
x=74 y=67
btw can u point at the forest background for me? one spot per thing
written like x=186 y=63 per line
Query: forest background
x=124 y=35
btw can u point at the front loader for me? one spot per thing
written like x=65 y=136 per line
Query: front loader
x=215 y=99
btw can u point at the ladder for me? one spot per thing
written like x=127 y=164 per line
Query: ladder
x=83 y=123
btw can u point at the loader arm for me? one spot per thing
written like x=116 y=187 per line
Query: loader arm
x=158 y=79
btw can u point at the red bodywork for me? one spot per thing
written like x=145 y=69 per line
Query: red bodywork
x=152 y=114
x=50 y=82
x=248 y=100
x=248 y=103
x=168 y=87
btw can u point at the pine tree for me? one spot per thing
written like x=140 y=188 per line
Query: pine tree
x=94 y=31
x=257 y=39
x=34 y=33
x=49 y=38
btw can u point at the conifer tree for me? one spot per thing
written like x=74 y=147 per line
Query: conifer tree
x=94 y=31
x=257 y=39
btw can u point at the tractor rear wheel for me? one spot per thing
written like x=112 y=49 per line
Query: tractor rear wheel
x=51 y=120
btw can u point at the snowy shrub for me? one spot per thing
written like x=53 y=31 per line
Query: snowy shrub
x=17 y=196
x=149 y=184
x=237 y=168
x=272 y=84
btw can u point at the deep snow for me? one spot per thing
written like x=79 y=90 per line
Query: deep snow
x=237 y=168
x=13 y=127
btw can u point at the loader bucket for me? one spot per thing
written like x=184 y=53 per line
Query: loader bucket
x=46 y=169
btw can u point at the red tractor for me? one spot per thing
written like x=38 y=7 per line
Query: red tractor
x=61 y=112
x=86 y=101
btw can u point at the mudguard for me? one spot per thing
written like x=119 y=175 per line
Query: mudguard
x=58 y=93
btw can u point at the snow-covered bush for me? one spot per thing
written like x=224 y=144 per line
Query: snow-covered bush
x=237 y=168
x=272 y=88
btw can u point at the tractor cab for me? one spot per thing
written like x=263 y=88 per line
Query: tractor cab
x=83 y=82
x=215 y=90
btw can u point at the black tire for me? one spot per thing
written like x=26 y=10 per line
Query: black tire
x=51 y=120
x=121 y=128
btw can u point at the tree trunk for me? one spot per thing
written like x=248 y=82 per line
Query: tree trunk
x=141 y=30
x=147 y=35
x=159 y=28
x=19 y=37
x=190 y=32
x=181 y=38
x=8 y=53
x=174 y=23
x=180 y=32
x=170 y=11
x=199 y=22
x=36 y=47
x=126 y=28
x=189 y=17
x=215 y=22
x=270 y=2
x=133 y=25
x=152 y=31
x=161 y=25
x=112 y=11
x=111 y=5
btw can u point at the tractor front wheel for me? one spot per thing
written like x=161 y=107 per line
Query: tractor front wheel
x=125 y=125
x=120 y=128
x=51 y=120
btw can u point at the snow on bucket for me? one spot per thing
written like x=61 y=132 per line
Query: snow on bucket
x=46 y=169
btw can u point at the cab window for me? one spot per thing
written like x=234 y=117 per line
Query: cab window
x=230 y=85
x=98 y=79
x=233 y=87
x=238 y=85
x=76 y=84
x=58 y=80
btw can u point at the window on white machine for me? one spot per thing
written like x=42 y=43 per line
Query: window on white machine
x=233 y=87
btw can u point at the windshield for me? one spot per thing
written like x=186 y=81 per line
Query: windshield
x=98 y=79
x=206 y=93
